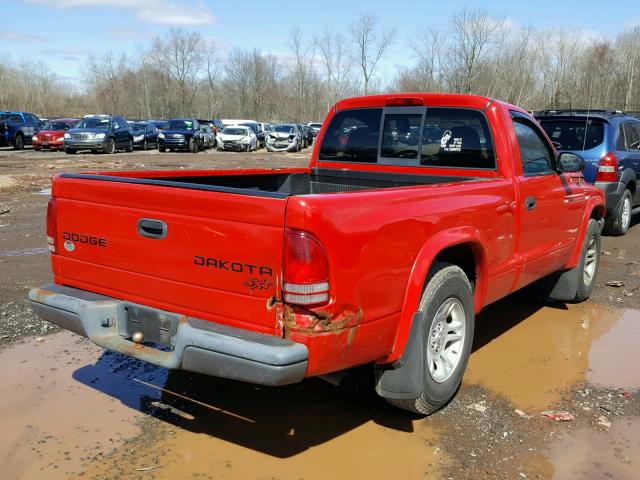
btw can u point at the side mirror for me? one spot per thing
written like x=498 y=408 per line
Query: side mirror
x=570 y=162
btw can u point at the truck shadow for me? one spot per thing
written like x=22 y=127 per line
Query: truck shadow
x=278 y=421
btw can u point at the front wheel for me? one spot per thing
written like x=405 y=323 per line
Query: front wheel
x=129 y=147
x=618 y=220
x=447 y=302
x=110 y=146
x=192 y=146
x=162 y=149
x=70 y=151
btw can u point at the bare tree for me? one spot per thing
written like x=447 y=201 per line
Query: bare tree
x=337 y=62
x=181 y=54
x=370 y=45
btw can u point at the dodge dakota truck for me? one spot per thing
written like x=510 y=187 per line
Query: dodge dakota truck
x=415 y=212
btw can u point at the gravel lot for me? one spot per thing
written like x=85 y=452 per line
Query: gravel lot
x=112 y=417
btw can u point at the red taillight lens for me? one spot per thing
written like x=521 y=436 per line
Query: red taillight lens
x=608 y=168
x=52 y=229
x=306 y=269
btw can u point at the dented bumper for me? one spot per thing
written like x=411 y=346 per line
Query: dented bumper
x=186 y=343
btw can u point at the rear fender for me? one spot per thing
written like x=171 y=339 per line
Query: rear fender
x=594 y=209
x=425 y=258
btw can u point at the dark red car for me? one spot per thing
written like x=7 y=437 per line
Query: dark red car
x=52 y=135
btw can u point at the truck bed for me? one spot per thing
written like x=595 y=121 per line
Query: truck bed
x=280 y=184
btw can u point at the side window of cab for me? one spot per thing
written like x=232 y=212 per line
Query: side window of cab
x=537 y=156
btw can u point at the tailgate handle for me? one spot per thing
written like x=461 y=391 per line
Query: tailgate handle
x=150 y=228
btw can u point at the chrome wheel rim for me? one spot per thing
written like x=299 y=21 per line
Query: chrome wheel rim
x=590 y=261
x=446 y=340
x=626 y=213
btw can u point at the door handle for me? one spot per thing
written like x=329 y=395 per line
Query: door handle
x=150 y=228
x=530 y=203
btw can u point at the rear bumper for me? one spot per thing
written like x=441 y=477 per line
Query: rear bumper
x=613 y=192
x=197 y=345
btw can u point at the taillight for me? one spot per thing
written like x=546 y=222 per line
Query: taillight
x=52 y=229
x=305 y=270
x=608 y=168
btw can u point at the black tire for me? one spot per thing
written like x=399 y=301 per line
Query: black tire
x=93 y=150
x=18 y=142
x=192 y=146
x=145 y=145
x=445 y=283
x=617 y=222
x=70 y=151
x=591 y=249
x=109 y=146
x=162 y=149
x=129 y=147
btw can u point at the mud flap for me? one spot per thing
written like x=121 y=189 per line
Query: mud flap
x=403 y=380
x=563 y=286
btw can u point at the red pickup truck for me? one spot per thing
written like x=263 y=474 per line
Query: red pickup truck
x=415 y=212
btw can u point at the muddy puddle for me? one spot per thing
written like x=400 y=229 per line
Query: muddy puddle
x=530 y=354
x=87 y=405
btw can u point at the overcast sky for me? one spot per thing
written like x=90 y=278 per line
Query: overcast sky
x=63 y=33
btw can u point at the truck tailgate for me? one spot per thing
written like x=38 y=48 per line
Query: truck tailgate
x=219 y=258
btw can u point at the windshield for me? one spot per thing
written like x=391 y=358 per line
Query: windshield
x=58 y=126
x=252 y=126
x=94 y=122
x=138 y=125
x=284 y=129
x=180 y=125
x=570 y=134
x=235 y=131
x=316 y=125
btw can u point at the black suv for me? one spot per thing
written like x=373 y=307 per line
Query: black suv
x=609 y=143
x=102 y=133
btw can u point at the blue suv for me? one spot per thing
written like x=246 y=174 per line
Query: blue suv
x=609 y=143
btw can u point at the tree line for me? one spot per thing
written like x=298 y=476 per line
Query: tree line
x=183 y=73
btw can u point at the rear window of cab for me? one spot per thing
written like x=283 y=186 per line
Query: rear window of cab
x=410 y=136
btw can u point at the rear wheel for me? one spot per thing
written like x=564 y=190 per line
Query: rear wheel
x=589 y=262
x=18 y=143
x=618 y=220
x=447 y=302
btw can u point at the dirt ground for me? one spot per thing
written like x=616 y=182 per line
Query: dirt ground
x=72 y=410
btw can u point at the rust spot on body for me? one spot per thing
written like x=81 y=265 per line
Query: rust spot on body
x=307 y=321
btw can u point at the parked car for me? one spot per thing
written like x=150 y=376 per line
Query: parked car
x=306 y=133
x=266 y=128
x=255 y=127
x=18 y=128
x=378 y=253
x=181 y=134
x=237 y=138
x=209 y=137
x=145 y=135
x=102 y=133
x=609 y=142
x=285 y=137
x=52 y=134
x=315 y=128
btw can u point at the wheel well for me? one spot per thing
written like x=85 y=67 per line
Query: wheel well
x=631 y=186
x=462 y=255
x=598 y=212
